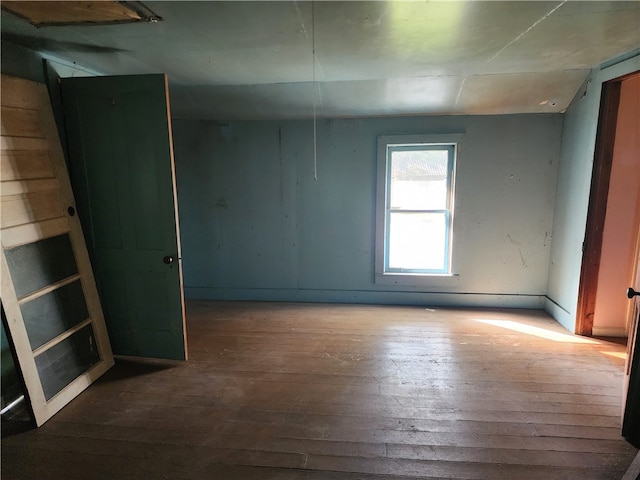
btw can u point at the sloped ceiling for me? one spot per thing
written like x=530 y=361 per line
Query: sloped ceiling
x=230 y=60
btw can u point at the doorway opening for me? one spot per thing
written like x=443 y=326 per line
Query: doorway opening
x=613 y=218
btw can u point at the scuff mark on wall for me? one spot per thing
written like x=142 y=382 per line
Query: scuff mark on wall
x=524 y=263
x=512 y=240
x=515 y=242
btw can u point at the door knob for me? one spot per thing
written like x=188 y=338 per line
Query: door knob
x=632 y=293
x=168 y=259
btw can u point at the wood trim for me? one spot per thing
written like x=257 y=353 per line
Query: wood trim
x=628 y=76
x=631 y=399
x=592 y=246
x=176 y=215
x=49 y=288
x=62 y=337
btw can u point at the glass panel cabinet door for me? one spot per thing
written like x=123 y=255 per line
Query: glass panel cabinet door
x=49 y=294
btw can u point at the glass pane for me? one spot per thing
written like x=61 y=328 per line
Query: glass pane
x=419 y=179
x=417 y=241
x=62 y=363
x=48 y=316
x=36 y=265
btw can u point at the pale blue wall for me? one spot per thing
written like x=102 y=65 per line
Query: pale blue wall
x=255 y=225
x=572 y=197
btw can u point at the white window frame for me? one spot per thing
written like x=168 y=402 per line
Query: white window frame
x=386 y=144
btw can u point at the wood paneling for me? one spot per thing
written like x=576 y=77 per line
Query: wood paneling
x=32 y=232
x=29 y=208
x=69 y=12
x=20 y=122
x=29 y=186
x=294 y=391
x=38 y=145
x=23 y=94
x=25 y=166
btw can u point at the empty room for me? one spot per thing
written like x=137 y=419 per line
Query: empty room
x=320 y=240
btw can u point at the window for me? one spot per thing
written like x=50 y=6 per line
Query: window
x=415 y=205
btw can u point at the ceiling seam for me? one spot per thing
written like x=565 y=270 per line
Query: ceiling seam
x=540 y=20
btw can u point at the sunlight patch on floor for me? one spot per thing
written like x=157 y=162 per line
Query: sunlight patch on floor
x=538 y=332
x=620 y=355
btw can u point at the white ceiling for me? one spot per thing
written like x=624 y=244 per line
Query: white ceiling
x=230 y=60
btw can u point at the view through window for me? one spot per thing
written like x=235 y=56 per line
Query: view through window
x=418 y=207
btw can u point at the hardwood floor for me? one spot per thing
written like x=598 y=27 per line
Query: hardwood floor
x=299 y=391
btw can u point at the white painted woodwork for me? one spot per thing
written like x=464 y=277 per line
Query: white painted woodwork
x=35 y=194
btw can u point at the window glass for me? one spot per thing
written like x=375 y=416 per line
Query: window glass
x=35 y=265
x=414 y=213
x=417 y=241
x=54 y=313
x=418 y=179
x=61 y=364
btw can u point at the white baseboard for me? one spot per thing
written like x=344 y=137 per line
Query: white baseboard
x=560 y=314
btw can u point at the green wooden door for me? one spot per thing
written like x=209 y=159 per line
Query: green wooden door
x=122 y=171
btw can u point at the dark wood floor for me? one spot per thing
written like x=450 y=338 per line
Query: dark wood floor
x=291 y=391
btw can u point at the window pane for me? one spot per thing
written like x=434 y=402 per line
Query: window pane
x=36 y=265
x=417 y=241
x=418 y=179
x=64 y=362
x=48 y=316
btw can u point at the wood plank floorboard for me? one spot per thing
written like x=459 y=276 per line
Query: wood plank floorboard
x=327 y=392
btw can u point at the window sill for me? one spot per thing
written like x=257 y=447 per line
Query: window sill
x=415 y=279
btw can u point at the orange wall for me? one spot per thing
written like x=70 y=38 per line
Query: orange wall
x=622 y=222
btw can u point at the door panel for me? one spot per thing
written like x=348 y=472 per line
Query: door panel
x=121 y=163
x=54 y=313
x=48 y=290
